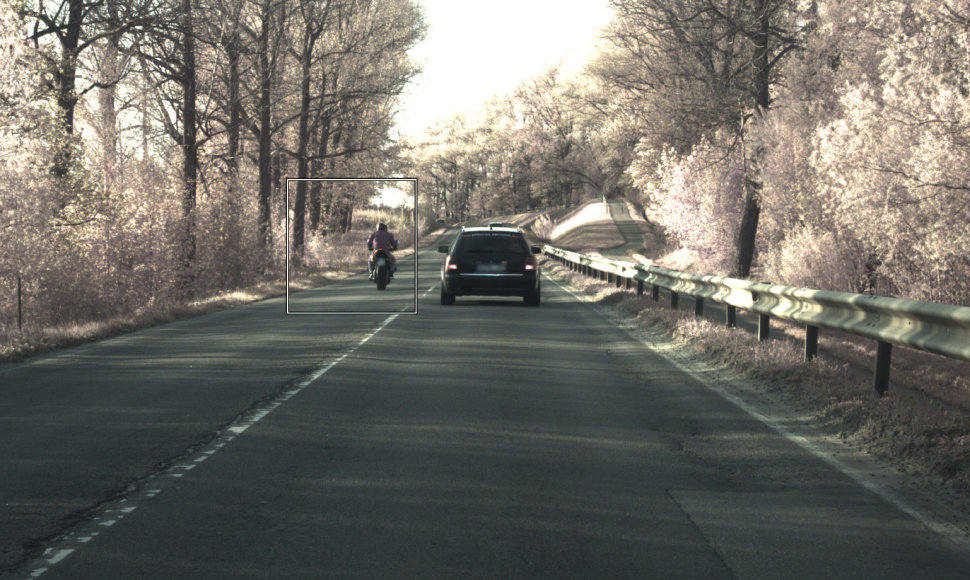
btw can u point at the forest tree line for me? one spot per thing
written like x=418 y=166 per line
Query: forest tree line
x=145 y=143
x=820 y=143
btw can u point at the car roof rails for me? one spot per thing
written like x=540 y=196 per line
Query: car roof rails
x=501 y=225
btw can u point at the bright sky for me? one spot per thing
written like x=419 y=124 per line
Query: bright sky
x=477 y=49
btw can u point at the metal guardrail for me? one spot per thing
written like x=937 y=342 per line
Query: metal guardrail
x=938 y=328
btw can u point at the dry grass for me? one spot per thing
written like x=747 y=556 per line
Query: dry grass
x=917 y=434
x=32 y=341
x=341 y=256
x=941 y=379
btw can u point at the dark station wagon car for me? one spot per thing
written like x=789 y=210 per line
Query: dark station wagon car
x=490 y=261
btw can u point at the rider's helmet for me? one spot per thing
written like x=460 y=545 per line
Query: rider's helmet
x=382 y=227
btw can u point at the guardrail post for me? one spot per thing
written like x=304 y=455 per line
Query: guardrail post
x=880 y=380
x=629 y=283
x=945 y=321
x=811 y=342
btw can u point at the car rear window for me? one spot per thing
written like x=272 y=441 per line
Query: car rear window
x=492 y=243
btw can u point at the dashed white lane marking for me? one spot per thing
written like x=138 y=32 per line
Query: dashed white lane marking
x=115 y=511
x=60 y=555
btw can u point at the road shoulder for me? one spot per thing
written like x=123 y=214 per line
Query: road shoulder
x=942 y=509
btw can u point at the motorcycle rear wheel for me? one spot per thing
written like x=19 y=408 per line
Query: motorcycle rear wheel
x=381 y=277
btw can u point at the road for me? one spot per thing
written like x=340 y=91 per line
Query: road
x=485 y=439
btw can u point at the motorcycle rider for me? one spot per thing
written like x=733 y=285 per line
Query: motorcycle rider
x=381 y=239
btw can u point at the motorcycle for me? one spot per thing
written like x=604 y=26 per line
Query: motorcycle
x=382 y=268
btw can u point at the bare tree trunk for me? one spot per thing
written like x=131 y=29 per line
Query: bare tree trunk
x=748 y=231
x=265 y=129
x=146 y=124
x=303 y=138
x=190 y=162
x=234 y=130
x=336 y=200
x=107 y=108
x=66 y=76
x=349 y=216
x=751 y=209
x=316 y=187
x=235 y=112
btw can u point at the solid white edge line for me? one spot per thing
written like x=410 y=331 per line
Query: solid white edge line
x=944 y=529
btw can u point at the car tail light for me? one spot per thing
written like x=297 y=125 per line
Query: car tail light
x=451 y=265
x=530 y=263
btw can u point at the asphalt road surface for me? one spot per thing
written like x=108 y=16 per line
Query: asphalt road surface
x=486 y=439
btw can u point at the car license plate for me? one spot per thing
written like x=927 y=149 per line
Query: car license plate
x=491 y=268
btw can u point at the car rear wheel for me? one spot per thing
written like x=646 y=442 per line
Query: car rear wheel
x=447 y=298
x=532 y=298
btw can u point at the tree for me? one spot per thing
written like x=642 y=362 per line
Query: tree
x=75 y=26
x=890 y=162
x=170 y=55
x=699 y=66
x=559 y=125
x=314 y=20
x=363 y=68
x=269 y=42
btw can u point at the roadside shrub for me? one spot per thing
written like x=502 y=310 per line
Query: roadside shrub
x=816 y=259
x=696 y=198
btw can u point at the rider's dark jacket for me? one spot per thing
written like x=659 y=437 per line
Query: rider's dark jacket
x=381 y=239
